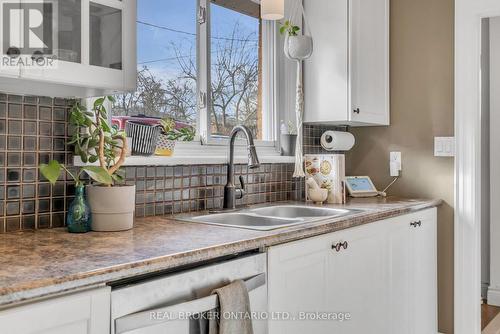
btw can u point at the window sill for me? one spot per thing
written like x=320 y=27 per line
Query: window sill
x=198 y=160
x=196 y=154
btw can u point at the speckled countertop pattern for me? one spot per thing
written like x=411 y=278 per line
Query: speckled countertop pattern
x=41 y=263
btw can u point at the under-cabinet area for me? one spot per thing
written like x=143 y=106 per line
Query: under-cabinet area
x=378 y=277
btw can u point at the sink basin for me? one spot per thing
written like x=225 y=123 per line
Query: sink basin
x=294 y=211
x=247 y=220
x=271 y=217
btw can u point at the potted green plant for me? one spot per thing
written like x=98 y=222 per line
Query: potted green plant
x=296 y=47
x=78 y=218
x=170 y=134
x=288 y=139
x=112 y=204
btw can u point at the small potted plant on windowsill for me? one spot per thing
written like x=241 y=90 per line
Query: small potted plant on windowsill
x=170 y=134
x=112 y=205
x=288 y=139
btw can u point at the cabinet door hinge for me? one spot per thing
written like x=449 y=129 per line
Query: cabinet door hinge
x=202 y=15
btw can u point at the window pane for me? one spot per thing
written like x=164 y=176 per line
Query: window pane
x=235 y=67
x=167 y=71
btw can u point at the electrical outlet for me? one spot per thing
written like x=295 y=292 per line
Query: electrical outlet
x=395 y=165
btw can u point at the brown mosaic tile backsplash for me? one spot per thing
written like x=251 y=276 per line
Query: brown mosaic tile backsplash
x=34 y=130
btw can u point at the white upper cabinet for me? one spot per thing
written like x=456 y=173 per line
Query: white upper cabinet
x=346 y=81
x=94 y=44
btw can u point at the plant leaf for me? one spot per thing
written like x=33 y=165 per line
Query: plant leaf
x=98 y=102
x=98 y=174
x=51 y=171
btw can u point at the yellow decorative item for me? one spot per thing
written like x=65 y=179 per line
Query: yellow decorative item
x=165 y=147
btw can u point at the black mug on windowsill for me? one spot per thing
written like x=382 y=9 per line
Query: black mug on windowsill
x=288 y=144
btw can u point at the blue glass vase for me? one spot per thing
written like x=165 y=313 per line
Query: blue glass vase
x=79 y=218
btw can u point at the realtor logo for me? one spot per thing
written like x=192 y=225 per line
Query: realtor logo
x=27 y=32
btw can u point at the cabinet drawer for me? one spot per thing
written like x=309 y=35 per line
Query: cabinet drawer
x=80 y=313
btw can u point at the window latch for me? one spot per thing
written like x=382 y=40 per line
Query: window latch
x=202 y=102
x=202 y=15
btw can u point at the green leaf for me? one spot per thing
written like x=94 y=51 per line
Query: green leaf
x=51 y=171
x=98 y=174
x=98 y=103
x=111 y=99
x=105 y=125
x=282 y=30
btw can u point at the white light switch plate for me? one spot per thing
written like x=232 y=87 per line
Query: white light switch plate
x=444 y=146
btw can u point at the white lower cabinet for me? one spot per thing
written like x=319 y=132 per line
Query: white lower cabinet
x=80 y=313
x=382 y=275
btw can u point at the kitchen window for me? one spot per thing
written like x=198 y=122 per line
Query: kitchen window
x=205 y=64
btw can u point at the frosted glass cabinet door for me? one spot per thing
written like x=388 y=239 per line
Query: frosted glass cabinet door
x=105 y=36
x=69 y=27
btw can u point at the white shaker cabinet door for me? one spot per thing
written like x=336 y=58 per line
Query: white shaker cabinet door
x=423 y=252
x=298 y=282
x=81 y=313
x=369 y=66
x=359 y=280
x=400 y=279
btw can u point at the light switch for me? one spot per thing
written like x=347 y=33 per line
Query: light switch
x=444 y=146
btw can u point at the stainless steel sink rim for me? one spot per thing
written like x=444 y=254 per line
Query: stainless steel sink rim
x=272 y=221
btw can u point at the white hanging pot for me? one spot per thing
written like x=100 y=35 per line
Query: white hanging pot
x=298 y=47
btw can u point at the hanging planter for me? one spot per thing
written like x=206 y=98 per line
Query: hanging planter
x=298 y=47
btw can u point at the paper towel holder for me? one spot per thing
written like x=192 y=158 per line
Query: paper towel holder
x=337 y=140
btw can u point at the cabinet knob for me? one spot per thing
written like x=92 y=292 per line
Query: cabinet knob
x=339 y=245
x=356 y=111
x=416 y=223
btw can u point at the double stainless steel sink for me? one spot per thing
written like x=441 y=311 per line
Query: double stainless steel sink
x=271 y=217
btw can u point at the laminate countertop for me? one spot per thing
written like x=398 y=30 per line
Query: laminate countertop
x=37 y=264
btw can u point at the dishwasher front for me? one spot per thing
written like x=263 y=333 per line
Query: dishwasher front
x=177 y=303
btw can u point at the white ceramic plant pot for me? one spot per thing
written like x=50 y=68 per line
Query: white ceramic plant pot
x=112 y=207
x=298 y=47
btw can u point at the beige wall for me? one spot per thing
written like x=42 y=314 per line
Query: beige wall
x=421 y=108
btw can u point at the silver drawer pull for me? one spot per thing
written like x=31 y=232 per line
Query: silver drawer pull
x=143 y=319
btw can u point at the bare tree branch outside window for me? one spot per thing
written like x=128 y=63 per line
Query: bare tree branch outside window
x=234 y=86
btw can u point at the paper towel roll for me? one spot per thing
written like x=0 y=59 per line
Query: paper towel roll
x=337 y=141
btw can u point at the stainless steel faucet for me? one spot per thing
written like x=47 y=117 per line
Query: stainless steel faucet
x=231 y=193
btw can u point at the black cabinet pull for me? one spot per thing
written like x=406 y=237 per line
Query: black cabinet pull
x=339 y=245
x=416 y=224
x=356 y=111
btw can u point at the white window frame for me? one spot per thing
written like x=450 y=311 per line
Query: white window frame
x=269 y=85
x=279 y=99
